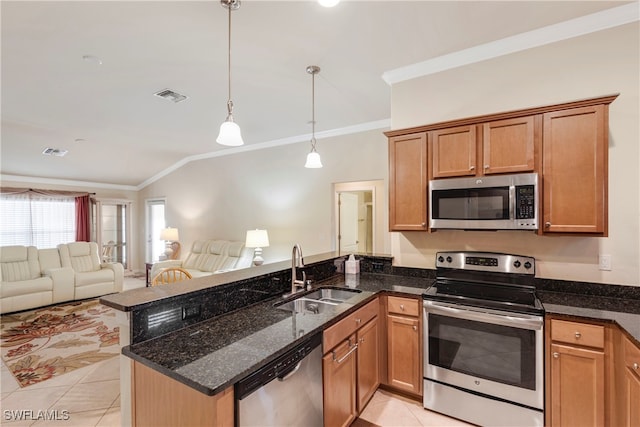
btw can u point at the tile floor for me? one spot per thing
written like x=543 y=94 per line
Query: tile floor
x=91 y=397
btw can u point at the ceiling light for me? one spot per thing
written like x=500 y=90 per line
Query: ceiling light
x=229 y=130
x=328 y=3
x=313 y=158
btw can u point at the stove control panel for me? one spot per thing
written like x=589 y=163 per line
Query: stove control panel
x=486 y=261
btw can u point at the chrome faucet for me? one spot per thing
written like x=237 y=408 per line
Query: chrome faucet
x=296 y=262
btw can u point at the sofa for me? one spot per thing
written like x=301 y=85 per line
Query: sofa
x=31 y=277
x=208 y=257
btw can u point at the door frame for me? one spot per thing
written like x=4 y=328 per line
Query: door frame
x=147 y=224
x=375 y=186
x=131 y=253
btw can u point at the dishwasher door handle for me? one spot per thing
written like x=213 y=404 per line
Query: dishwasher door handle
x=291 y=372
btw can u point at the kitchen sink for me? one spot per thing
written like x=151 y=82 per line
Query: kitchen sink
x=306 y=305
x=332 y=295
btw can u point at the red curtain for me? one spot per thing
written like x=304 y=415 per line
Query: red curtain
x=83 y=224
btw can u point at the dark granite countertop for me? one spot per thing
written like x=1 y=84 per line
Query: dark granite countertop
x=214 y=354
x=623 y=311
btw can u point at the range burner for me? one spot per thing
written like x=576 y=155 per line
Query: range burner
x=487 y=280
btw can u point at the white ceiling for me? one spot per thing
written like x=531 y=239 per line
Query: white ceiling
x=51 y=97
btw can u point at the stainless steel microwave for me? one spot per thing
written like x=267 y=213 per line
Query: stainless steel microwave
x=500 y=202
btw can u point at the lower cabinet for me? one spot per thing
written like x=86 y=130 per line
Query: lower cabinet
x=162 y=401
x=630 y=389
x=578 y=376
x=350 y=366
x=404 y=337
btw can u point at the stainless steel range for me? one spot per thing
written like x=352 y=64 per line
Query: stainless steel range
x=483 y=346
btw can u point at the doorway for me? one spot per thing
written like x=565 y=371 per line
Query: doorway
x=357 y=218
x=111 y=229
x=155 y=222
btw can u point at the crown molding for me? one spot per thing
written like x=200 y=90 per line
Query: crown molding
x=69 y=182
x=576 y=27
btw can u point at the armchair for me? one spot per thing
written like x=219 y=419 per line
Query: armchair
x=92 y=278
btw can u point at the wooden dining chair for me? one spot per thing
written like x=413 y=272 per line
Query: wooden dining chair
x=170 y=275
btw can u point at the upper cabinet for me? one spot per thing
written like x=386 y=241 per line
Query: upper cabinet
x=501 y=146
x=574 y=171
x=566 y=144
x=408 y=182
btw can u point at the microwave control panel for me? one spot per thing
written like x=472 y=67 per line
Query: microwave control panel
x=525 y=202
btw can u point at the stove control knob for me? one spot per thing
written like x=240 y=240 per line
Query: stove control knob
x=440 y=258
x=517 y=264
x=527 y=265
x=449 y=259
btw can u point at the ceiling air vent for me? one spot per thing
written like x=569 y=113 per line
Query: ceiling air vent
x=171 y=95
x=54 y=152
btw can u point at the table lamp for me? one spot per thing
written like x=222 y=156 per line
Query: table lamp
x=170 y=236
x=257 y=239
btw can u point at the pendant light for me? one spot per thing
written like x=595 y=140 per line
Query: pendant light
x=229 y=130
x=313 y=158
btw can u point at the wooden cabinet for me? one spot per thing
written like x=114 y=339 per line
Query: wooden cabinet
x=368 y=378
x=408 y=182
x=630 y=390
x=453 y=151
x=578 y=374
x=574 y=170
x=404 y=350
x=500 y=146
x=339 y=382
x=162 y=401
x=351 y=364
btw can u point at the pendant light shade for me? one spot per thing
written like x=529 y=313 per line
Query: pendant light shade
x=313 y=158
x=229 y=130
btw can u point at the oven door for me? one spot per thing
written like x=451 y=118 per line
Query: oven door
x=497 y=354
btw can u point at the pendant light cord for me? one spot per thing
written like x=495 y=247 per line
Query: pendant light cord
x=313 y=112
x=229 y=101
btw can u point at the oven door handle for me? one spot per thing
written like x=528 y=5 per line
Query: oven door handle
x=533 y=323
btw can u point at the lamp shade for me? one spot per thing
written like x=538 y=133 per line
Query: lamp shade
x=229 y=134
x=170 y=234
x=257 y=239
x=313 y=160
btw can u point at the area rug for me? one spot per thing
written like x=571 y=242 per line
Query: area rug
x=41 y=344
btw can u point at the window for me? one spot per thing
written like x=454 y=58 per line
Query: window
x=41 y=221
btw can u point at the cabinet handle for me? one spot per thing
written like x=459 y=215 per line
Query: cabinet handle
x=636 y=366
x=556 y=354
x=415 y=328
x=402 y=307
x=343 y=358
x=486 y=166
x=578 y=334
x=547 y=224
x=472 y=168
x=362 y=339
x=358 y=321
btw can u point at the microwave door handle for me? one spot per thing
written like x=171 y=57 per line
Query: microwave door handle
x=512 y=202
x=531 y=323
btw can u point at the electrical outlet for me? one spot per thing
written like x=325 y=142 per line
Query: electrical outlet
x=604 y=262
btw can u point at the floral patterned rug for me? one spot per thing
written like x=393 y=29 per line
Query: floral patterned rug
x=41 y=344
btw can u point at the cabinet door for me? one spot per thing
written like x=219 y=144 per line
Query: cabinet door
x=404 y=364
x=632 y=398
x=368 y=362
x=508 y=146
x=574 y=172
x=408 y=182
x=339 y=384
x=453 y=151
x=577 y=386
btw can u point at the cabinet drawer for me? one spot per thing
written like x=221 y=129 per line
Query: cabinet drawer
x=631 y=356
x=405 y=306
x=347 y=326
x=577 y=333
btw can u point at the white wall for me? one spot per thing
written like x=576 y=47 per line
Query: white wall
x=223 y=197
x=592 y=65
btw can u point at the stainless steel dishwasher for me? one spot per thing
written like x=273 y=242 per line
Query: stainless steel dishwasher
x=286 y=392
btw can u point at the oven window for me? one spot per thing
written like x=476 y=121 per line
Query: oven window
x=493 y=352
x=476 y=204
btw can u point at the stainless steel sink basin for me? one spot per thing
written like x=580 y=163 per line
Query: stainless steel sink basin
x=306 y=305
x=332 y=295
